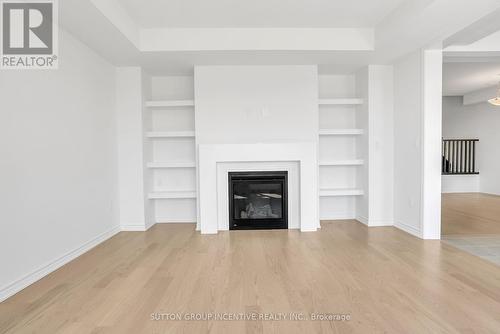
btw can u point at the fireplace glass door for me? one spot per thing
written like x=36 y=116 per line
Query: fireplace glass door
x=258 y=200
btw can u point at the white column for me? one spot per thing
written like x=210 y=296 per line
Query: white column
x=381 y=145
x=129 y=128
x=417 y=143
x=376 y=116
x=432 y=136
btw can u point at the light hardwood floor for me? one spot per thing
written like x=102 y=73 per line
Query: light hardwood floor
x=387 y=280
x=470 y=214
x=471 y=222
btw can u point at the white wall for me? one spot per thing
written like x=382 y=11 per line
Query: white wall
x=172 y=88
x=460 y=184
x=249 y=104
x=58 y=164
x=376 y=117
x=474 y=121
x=408 y=143
x=131 y=171
x=417 y=143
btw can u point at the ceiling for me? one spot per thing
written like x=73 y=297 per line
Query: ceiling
x=462 y=78
x=339 y=36
x=258 y=13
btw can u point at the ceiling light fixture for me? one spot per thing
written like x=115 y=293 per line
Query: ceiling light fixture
x=496 y=101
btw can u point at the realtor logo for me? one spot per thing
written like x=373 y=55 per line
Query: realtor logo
x=29 y=34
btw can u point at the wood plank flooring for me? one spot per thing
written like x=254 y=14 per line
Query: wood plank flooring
x=385 y=279
x=471 y=222
x=470 y=214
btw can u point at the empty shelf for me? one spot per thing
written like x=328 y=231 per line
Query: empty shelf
x=170 y=134
x=172 y=194
x=171 y=165
x=354 y=101
x=340 y=132
x=340 y=192
x=342 y=163
x=170 y=103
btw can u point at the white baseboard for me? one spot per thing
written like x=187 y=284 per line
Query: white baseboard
x=166 y=220
x=133 y=228
x=380 y=223
x=20 y=284
x=341 y=216
x=136 y=228
x=362 y=219
x=408 y=229
x=150 y=225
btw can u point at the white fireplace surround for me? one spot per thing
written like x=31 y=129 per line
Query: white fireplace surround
x=215 y=161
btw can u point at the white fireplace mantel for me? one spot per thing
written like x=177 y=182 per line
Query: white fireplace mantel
x=210 y=155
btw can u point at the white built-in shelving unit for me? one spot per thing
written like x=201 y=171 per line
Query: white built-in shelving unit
x=171 y=136
x=170 y=103
x=339 y=102
x=353 y=162
x=339 y=160
x=172 y=194
x=340 y=192
x=171 y=165
x=340 y=132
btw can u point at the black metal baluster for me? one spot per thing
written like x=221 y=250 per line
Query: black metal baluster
x=474 y=156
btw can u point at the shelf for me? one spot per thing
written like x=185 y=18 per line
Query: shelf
x=331 y=102
x=170 y=103
x=171 y=165
x=340 y=192
x=170 y=134
x=358 y=162
x=172 y=194
x=340 y=132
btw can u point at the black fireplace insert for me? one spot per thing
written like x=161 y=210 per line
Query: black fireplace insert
x=258 y=200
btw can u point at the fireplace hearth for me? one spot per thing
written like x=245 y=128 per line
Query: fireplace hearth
x=258 y=200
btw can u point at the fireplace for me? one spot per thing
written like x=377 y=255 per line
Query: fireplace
x=258 y=200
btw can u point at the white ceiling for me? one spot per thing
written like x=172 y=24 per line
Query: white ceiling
x=462 y=78
x=117 y=33
x=258 y=13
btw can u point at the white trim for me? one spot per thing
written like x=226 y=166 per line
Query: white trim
x=27 y=280
x=338 y=216
x=408 y=229
x=380 y=223
x=363 y=220
x=374 y=223
x=148 y=226
x=136 y=228
x=167 y=220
